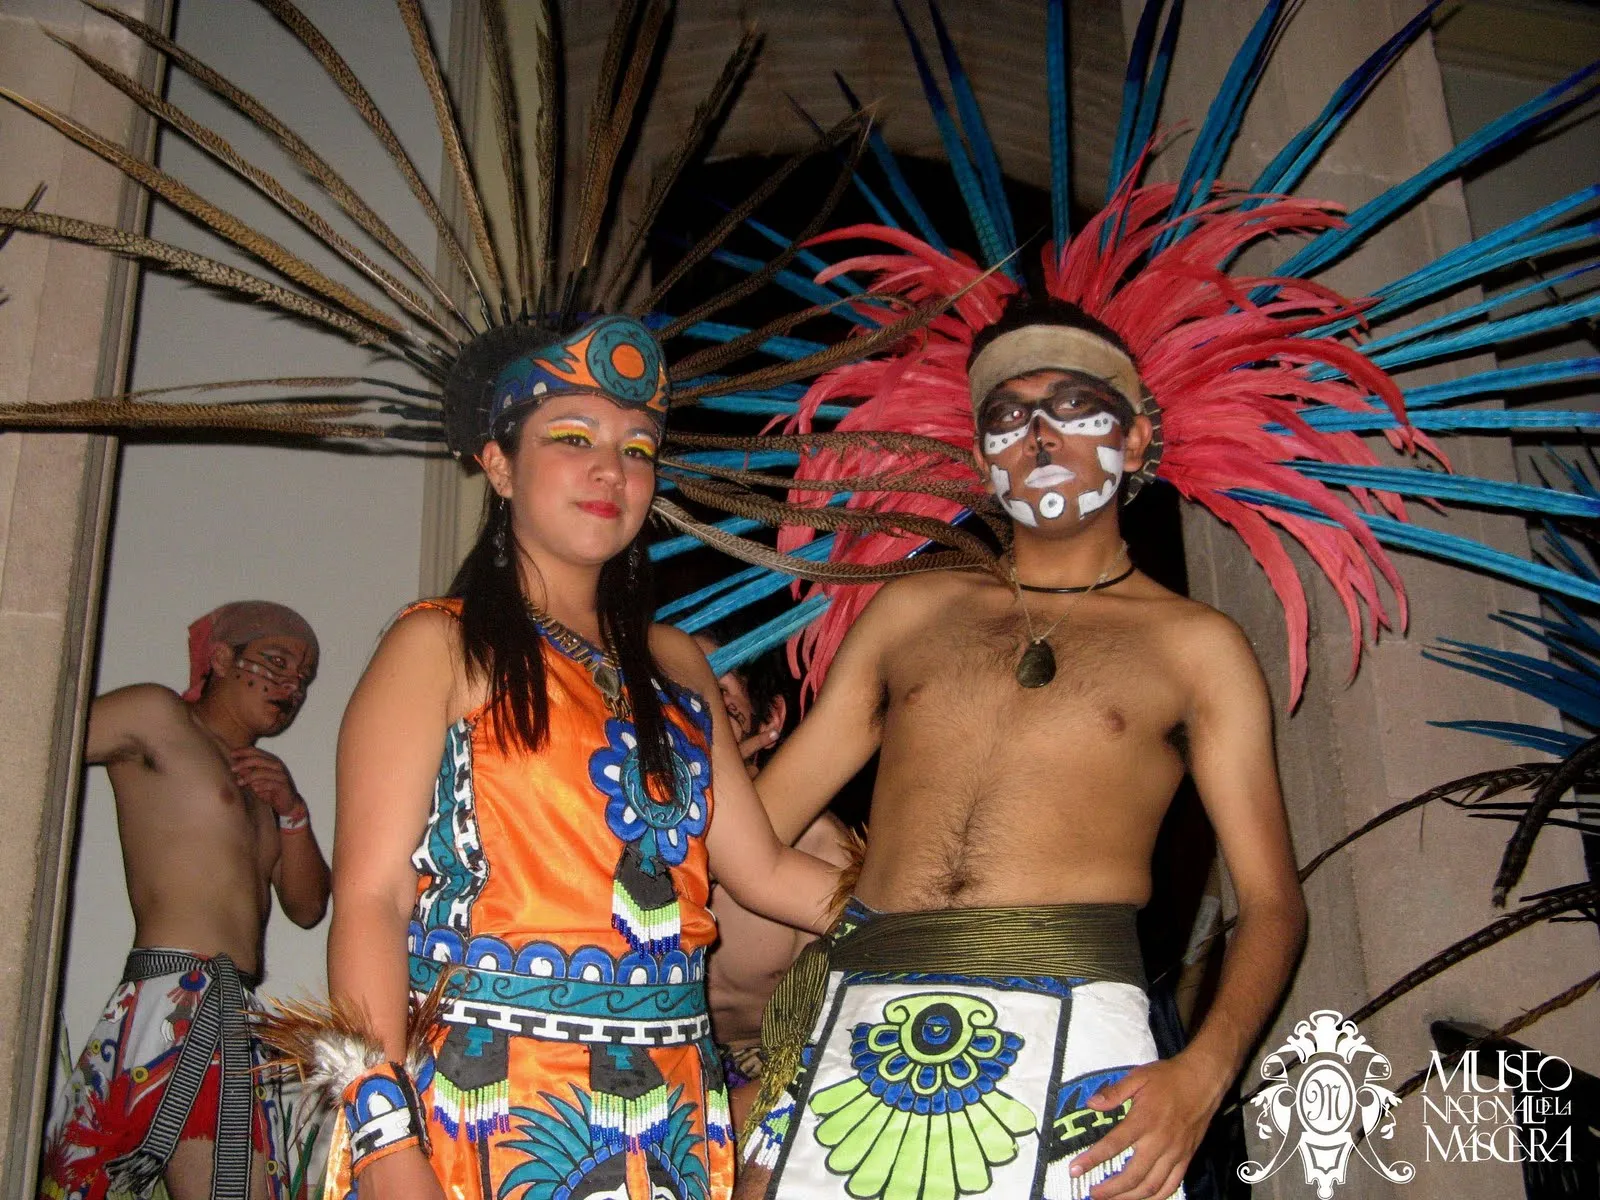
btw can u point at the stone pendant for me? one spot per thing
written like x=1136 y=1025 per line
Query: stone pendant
x=1037 y=666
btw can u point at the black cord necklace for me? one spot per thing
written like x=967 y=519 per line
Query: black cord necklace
x=1096 y=586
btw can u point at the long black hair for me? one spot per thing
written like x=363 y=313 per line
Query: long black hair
x=502 y=644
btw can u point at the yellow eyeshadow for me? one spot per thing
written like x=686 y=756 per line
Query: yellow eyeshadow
x=642 y=444
x=567 y=429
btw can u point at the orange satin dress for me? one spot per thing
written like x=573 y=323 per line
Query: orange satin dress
x=574 y=1054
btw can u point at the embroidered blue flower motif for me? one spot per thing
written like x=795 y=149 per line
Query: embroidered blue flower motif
x=661 y=832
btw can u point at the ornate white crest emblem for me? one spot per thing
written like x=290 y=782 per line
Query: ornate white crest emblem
x=1324 y=1112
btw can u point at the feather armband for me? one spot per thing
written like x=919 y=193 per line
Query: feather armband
x=332 y=1048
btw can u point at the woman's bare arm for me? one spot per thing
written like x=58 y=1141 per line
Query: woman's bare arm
x=389 y=747
x=758 y=870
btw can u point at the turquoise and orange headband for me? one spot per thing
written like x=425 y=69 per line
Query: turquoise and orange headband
x=615 y=357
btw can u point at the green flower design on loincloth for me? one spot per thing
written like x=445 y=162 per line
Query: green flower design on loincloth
x=922 y=1118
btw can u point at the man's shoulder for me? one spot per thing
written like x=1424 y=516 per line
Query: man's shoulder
x=928 y=591
x=1210 y=645
x=139 y=701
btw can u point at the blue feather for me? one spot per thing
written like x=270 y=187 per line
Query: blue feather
x=1579 y=703
x=790 y=281
x=887 y=163
x=1470 y=420
x=1123 y=151
x=1446 y=320
x=790 y=348
x=762 y=405
x=983 y=220
x=976 y=133
x=695 y=599
x=1533 y=737
x=809 y=259
x=1463 y=489
x=1056 y=60
x=1459 y=262
x=1223 y=118
x=672 y=547
x=1155 y=88
x=768 y=636
x=1437 y=284
x=747 y=460
x=1291 y=163
x=753 y=590
x=1328 y=247
x=1492 y=333
x=1451 y=547
x=1504 y=379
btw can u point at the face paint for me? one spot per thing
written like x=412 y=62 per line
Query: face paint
x=995 y=444
x=1068 y=409
x=1089 y=502
x=1049 y=476
x=1096 y=426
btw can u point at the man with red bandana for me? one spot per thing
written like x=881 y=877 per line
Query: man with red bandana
x=210 y=825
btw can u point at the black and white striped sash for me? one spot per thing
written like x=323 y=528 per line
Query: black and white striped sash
x=219 y=1023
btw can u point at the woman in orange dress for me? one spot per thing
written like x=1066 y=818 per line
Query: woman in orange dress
x=526 y=811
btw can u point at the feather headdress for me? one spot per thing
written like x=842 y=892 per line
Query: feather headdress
x=539 y=308
x=1262 y=384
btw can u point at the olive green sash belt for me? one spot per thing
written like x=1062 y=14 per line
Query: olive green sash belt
x=1073 y=941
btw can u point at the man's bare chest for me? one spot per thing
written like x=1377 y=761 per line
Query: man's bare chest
x=1107 y=674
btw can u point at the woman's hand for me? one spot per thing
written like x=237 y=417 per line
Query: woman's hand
x=403 y=1175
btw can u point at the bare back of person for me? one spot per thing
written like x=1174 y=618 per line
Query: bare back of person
x=990 y=794
x=198 y=849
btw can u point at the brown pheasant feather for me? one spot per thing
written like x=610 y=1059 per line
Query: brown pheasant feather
x=179 y=261
x=210 y=141
x=706 y=116
x=223 y=223
x=850 y=127
x=330 y=1043
x=339 y=71
x=609 y=130
x=508 y=134
x=305 y=157
x=450 y=132
x=803 y=568
x=548 y=144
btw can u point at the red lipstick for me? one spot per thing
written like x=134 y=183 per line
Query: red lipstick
x=601 y=508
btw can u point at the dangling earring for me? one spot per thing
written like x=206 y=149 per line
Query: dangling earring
x=501 y=559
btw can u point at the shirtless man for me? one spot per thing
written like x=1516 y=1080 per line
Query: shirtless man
x=209 y=823
x=752 y=953
x=1031 y=737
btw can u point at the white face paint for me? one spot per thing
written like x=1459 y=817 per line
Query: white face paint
x=1096 y=425
x=1089 y=502
x=1049 y=476
x=995 y=444
x=1021 y=510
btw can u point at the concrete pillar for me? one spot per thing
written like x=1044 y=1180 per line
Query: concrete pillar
x=1353 y=749
x=62 y=336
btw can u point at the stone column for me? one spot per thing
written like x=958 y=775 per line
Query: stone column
x=1354 y=748
x=63 y=335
